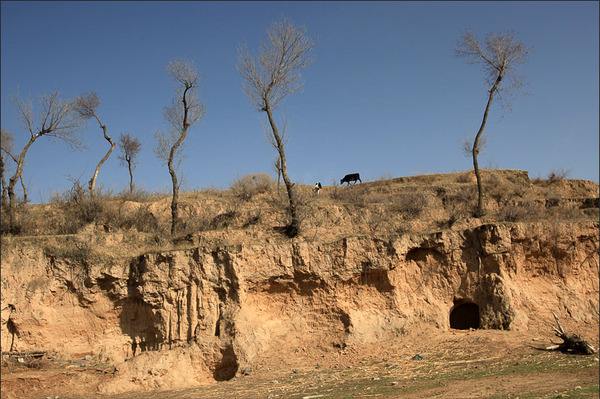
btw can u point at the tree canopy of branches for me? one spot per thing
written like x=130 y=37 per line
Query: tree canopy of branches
x=54 y=119
x=86 y=106
x=271 y=76
x=185 y=110
x=498 y=56
x=6 y=148
x=130 y=147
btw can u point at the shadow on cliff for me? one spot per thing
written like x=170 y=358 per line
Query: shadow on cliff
x=137 y=318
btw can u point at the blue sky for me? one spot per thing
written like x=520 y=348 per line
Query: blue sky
x=385 y=95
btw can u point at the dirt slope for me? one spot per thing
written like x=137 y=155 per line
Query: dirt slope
x=217 y=303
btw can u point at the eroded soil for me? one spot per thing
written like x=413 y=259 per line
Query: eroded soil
x=454 y=364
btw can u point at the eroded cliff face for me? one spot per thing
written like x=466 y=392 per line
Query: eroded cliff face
x=205 y=311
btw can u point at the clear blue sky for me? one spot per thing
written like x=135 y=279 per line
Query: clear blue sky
x=385 y=95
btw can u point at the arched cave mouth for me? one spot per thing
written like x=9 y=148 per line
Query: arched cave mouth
x=464 y=315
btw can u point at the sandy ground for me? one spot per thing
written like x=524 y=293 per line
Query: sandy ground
x=453 y=364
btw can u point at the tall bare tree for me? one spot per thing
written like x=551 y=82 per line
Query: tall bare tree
x=6 y=147
x=56 y=119
x=130 y=147
x=498 y=56
x=268 y=79
x=185 y=110
x=86 y=106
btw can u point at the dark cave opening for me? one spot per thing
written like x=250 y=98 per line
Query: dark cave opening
x=464 y=315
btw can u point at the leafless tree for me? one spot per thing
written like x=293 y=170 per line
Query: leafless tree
x=130 y=147
x=185 y=110
x=56 y=119
x=86 y=106
x=6 y=145
x=498 y=56
x=268 y=79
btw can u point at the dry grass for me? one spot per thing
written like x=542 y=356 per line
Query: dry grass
x=248 y=186
x=408 y=204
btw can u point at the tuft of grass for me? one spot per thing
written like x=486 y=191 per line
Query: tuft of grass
x=248 y=186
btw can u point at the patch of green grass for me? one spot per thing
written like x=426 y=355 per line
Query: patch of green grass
x=584 y=392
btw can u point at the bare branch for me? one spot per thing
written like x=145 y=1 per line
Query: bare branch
x=56 y=118
x=130 y=147
x=163 y=145
x=7 y=142
x=500 y=53
x=276 y=71
x=86 y=105
x=26 y=113
x=185 y=109
x=183 y=72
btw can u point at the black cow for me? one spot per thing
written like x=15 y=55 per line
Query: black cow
x=352 y=177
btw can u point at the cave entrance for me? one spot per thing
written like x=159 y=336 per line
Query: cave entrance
x=464 y=315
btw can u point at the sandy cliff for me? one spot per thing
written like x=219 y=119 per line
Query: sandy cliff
x=208 y=308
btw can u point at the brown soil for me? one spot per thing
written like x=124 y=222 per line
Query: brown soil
x=382 y=271
x=455 y=364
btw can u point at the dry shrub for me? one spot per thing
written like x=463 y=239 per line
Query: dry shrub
x=253 y=220
x=459 y=204
x=141 y=219
x=349 y=195
x=557 y=175
x=410 y=205
x=78 y=209
x=465 y=177
x=136 y=195
x=521 y=212
x=75 y=209
x=194 y=224
x=248 y=186
x=224 y=220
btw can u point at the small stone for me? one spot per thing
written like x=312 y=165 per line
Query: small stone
x=375 y=378
x=20 y=360
x=246 y=371
x=294 y=371
x=417 y=357
x=578 y=388
x=394 y=383
x=88 y=357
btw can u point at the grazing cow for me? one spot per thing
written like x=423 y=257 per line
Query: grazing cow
x=352 y=177
x=317 y=188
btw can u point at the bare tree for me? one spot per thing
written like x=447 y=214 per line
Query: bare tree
x=6 y=146
x=498 y=56
x=86 y=106
x=130 y=147
x=268 y=79
x=56 y=120
x=185 y=110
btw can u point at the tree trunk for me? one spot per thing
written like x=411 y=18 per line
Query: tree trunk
x=130 y=175
x=3 y=182
x=13 y=180
x=25 y=196
x=4 y=193
x=293 y=229
x=172 y=152
x=92 y=182
x=278 y=167
x=175 y=198
x=480 y=211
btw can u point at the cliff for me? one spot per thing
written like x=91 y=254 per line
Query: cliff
x=210 y=305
